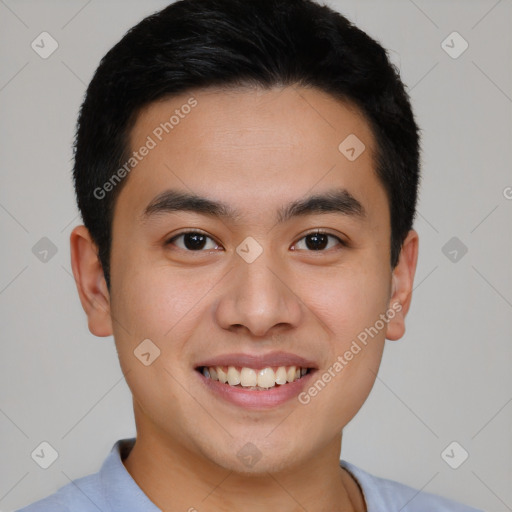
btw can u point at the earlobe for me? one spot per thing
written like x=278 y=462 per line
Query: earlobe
x=402 y=286
x=90 y=282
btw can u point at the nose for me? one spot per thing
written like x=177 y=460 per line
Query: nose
x=259 y=298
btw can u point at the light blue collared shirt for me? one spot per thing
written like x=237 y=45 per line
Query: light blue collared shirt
x=112 y=489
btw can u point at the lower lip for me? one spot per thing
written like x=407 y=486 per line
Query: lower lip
x=263 y=399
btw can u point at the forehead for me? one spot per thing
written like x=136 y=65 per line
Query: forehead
x=253 y=149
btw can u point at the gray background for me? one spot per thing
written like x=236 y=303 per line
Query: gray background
x=447 y=380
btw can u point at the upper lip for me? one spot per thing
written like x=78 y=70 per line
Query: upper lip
x=259 y=361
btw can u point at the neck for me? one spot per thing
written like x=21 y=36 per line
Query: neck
x=175 y=478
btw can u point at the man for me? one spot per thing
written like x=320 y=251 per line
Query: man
x=247 y=173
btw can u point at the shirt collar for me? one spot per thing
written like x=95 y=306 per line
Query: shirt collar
x=119 y=488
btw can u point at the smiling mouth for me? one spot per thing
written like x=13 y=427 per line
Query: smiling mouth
x=254 y=379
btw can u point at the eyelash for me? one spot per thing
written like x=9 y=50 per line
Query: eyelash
x=199 y=232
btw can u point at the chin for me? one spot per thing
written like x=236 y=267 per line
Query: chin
x=248 y=458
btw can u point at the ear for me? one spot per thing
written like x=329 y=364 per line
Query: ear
x=90 y=281
x=402 y=283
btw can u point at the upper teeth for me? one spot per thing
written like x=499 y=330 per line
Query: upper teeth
x=249 y=377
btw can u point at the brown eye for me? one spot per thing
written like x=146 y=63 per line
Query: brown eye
x=318 y=241
x=193 y=241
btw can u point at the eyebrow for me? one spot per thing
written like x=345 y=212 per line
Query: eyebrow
x=339 y=201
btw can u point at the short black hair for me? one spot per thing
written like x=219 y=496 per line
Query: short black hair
x=195 y=44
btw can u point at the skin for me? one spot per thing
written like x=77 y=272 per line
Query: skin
x=256 y=151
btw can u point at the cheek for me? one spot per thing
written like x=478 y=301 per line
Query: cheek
x=360 y=337
x=347 y=300
x=355 y=351
x=164 y=305
x=157 y=301
x=152 y=304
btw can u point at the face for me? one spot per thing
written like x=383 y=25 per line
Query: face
x=281 y=259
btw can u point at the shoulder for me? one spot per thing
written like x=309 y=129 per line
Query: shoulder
x=384 y=494
x=81 y=495
x=111 y=485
